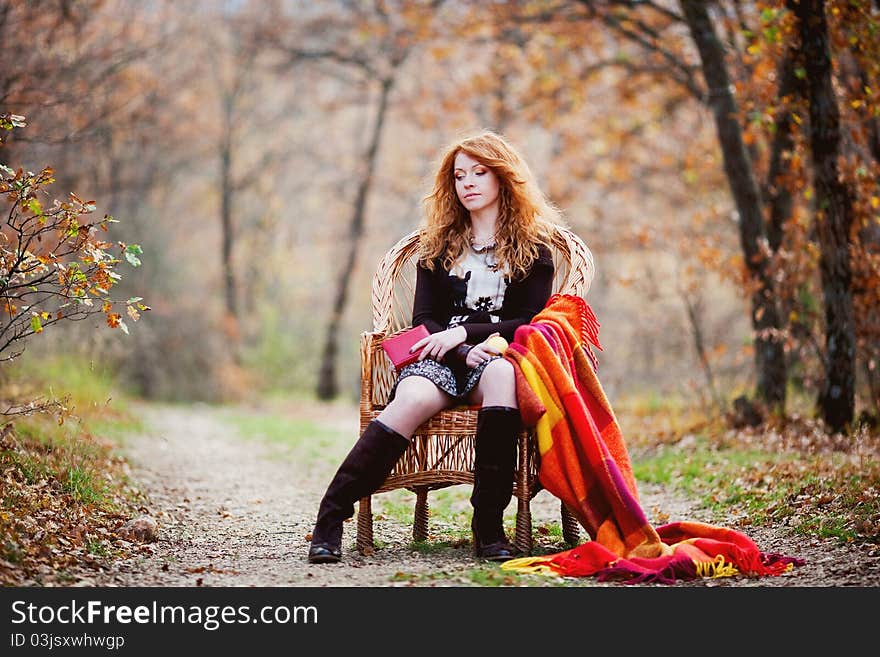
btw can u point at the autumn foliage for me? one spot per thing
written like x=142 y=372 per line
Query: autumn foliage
x=64 y=502
x=55 y=264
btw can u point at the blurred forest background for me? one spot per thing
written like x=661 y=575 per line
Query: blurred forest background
x=266 y=154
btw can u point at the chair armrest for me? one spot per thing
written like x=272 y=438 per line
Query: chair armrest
x=377 y=373
x=371 y=342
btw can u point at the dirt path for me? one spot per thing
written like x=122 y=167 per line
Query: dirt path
x=232 y=512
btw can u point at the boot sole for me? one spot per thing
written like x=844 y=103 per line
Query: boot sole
x=324 y=558
x=322 y=553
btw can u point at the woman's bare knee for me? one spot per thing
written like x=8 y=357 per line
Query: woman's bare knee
x=498 y=374
x=416 y=400
x=497 y=386
x=420 y=391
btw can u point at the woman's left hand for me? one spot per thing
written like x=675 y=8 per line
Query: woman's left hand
x=482 y=352
x=437 y=344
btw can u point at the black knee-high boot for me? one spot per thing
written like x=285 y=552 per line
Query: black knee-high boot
x=362 y=472
x=494 y=466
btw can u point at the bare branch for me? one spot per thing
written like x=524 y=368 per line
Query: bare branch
x=297 y=54
x=649 y=4
x=684 y=74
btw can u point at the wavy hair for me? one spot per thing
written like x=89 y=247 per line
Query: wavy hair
x=525 y=215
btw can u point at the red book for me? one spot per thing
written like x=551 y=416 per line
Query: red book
x=397 y=346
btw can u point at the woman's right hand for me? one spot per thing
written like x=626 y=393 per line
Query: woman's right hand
x=437 y=344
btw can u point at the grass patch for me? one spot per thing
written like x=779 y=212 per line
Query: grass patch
x=435 y=546
x=86 y=386
x=98 y=548
x=68 y=459
x=65 y=488
x=449 y=516
x=790 y=474
x=485 y=575
x=303 y=438
x=397 y=506
x=85 y=487
x=115 y=425
x=697 y=466
x=491 y=576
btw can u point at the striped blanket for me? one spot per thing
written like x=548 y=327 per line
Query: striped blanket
x=585 y=463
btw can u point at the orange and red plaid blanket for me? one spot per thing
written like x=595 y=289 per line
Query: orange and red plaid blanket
x=585 y=463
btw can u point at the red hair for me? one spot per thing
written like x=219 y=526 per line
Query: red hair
x=525 y=215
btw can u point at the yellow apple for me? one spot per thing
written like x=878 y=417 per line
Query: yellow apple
x=497 y=343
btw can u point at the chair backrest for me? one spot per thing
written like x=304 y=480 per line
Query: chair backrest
x=393 y=288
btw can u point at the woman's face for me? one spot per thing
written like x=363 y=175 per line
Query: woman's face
x=475 y=183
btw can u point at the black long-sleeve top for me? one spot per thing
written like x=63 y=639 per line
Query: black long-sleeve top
x=436 y=291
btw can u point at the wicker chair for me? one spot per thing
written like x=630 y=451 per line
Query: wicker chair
x=442 y=450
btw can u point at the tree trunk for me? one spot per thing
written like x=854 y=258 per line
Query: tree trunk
x=327 y=386
x=869 y=235
x=834 y=217
x=694 y=306
x=867 y=345
x=873 y=122
x=780 y=199
x=226 y=193
x=769 y=353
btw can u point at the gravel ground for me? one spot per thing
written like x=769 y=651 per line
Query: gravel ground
x=233 y=512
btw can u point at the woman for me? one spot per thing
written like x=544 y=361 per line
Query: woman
x=484 y=269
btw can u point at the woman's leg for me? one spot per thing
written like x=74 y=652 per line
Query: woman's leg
x=497 y=385
x=416 y=400
x=370 y=460
x=498 y=426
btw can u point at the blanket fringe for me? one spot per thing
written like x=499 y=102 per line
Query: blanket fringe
x=589 y=327
x=529 y=565
x=717 y=568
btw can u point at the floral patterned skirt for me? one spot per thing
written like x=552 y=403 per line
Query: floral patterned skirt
x=454 y=381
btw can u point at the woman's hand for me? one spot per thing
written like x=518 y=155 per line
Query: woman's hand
x=482 y=352
x=437 y=344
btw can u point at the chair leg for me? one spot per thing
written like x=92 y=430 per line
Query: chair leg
x=570 y=526
x=420 y=517
x=523 y=536
x=365 y=525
